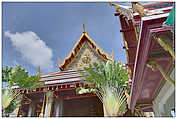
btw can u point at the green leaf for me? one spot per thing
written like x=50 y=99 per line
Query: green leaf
x=110 y=80
x=17 y=76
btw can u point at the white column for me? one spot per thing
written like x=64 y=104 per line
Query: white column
x=61 y=107
x=31 y=109
x=58 y=107
x=49 y=101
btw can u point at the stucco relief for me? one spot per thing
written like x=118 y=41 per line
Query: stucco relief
x=85 y=56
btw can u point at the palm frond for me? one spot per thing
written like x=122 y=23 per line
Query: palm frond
x=8 y=95
x=110 y=80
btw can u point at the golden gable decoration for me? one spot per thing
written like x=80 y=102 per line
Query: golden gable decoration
x=85 y=51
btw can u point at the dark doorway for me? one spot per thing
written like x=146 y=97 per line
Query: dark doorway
x=90 y=106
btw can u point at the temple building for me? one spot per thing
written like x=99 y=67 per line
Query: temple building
x=149 y=44
x=149 y=47
x=58 y=96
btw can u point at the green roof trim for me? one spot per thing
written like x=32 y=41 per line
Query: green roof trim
x=171 y=18
x=170 y=22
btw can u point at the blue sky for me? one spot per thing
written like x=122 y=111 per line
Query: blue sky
x=38 y=33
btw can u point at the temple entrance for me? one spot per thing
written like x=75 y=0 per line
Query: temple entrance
x=90 y=106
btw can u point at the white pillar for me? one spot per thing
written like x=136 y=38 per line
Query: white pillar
x=59 y=107
x=31 y=109
x=49 y=101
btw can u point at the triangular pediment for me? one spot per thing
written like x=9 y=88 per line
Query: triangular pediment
x=84 y=52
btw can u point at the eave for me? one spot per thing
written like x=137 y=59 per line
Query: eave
x=130 y=43
x=149 y=26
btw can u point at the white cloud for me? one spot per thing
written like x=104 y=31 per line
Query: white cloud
x=32 y=48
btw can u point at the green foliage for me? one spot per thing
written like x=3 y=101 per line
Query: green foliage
x=100 y=74
x=12 y=106
x=7 y=96
x=16 y=76
x=82 y=90
x=6 y=74
x=19 y=76
x=110 y=82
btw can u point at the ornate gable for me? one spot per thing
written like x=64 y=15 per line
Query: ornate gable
x=84 y=52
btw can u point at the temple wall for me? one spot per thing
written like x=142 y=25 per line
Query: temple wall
x=165 y=101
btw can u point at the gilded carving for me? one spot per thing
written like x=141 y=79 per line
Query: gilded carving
x=85 y=56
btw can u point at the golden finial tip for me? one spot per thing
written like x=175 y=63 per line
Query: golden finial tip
x=110 y=3
x=84 y=28
x=59 y=61
x=38 y=71
x=112 y=55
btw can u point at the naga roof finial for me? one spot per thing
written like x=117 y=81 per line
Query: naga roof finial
x=123 y=10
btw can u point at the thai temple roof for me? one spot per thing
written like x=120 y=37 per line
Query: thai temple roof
x=68 y=73
x=77 y=47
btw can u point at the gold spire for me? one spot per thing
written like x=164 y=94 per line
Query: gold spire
x=38 y=73
x=112 y=55
x=84 y=28
x=59 y=61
